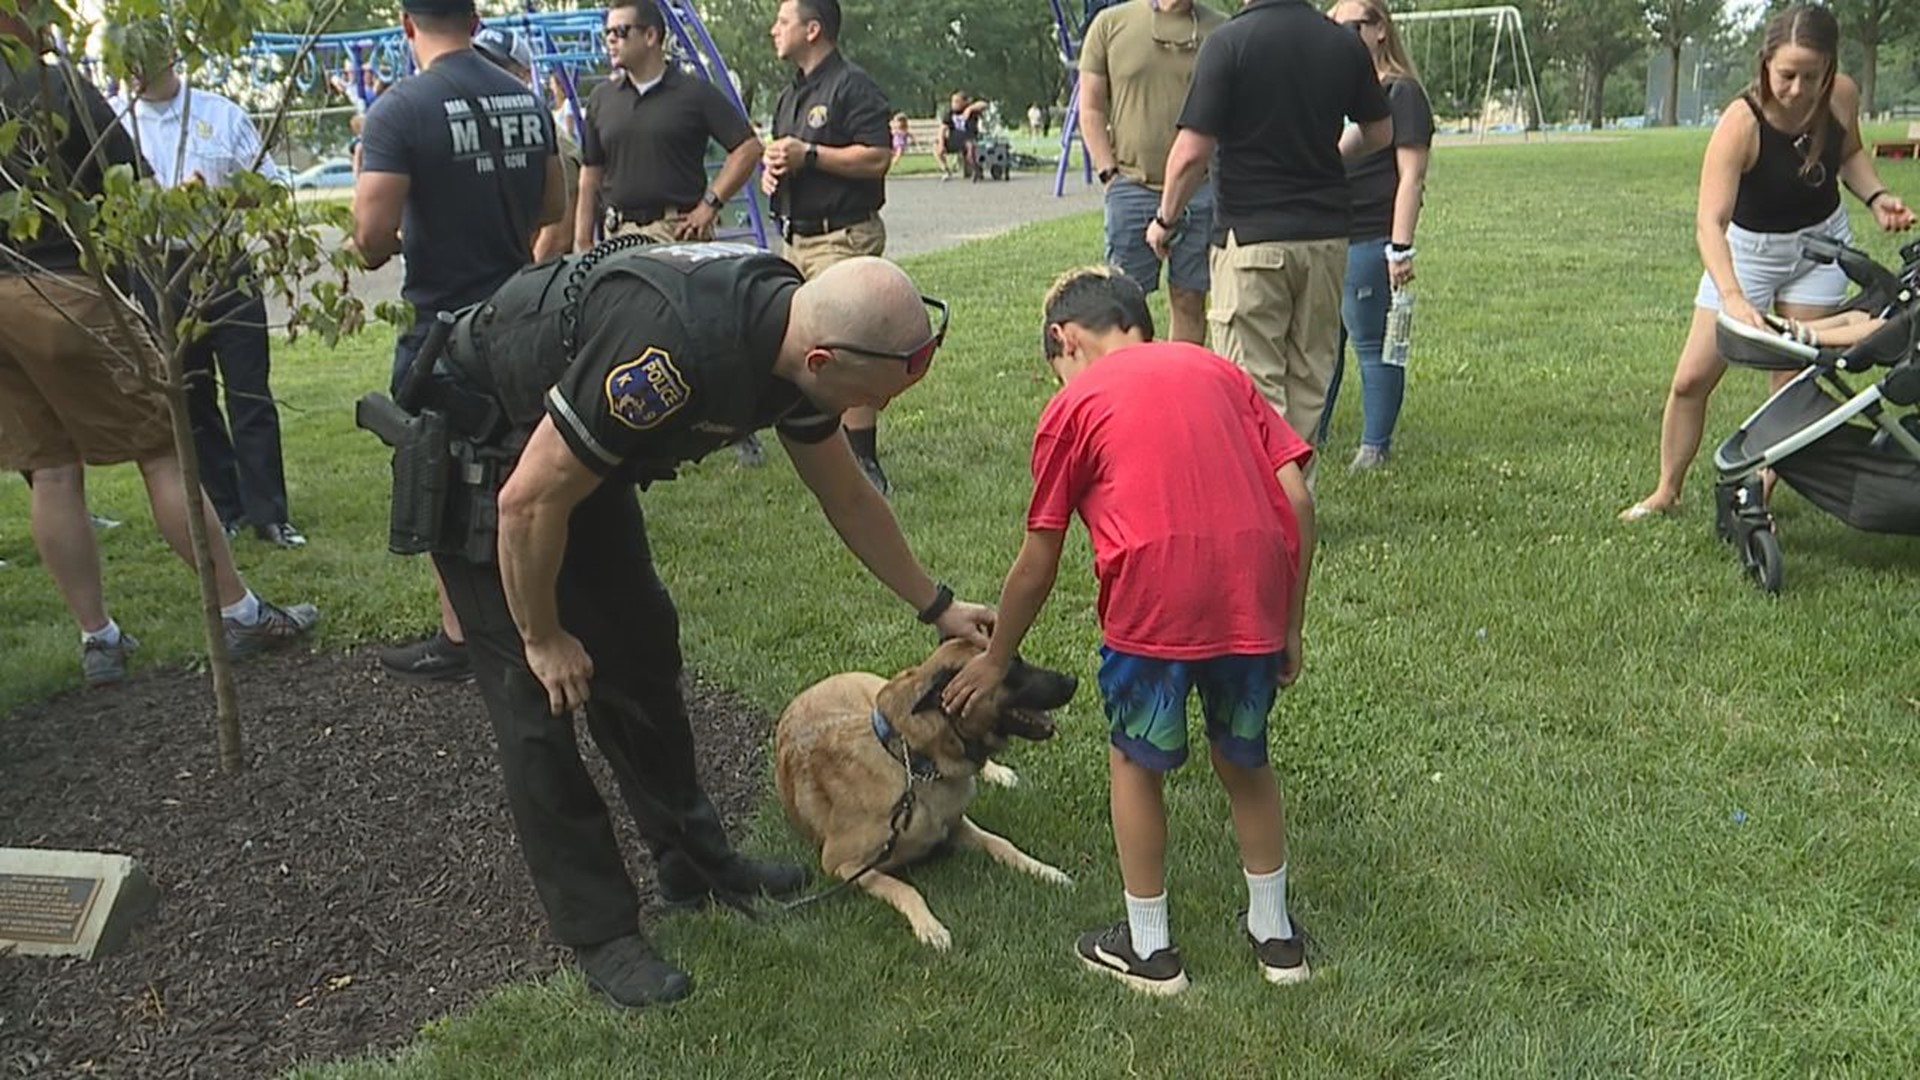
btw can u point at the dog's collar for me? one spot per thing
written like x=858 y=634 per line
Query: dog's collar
x=920 y=766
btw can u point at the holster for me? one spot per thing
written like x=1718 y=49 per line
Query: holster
x=422 y=471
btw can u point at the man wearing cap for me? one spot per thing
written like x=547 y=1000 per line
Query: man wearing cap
x=826 y=169
x=192 y=136
x=510 y=52
x=597 y=374
x=459 y=160
x=643 y=146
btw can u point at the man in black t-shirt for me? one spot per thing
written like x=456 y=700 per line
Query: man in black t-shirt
x=644 y=140
x=682 y=349
x=1271 y=91
x=826 y=168
x=461 y=197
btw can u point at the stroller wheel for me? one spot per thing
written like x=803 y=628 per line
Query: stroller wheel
x=1763 y=559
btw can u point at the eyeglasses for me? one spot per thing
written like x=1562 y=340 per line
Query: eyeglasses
x=1188 y=44
x=920 y=356
x=620 y=30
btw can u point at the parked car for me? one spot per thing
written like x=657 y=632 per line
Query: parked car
x=332 y=173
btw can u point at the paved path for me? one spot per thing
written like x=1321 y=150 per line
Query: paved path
x=923 y=214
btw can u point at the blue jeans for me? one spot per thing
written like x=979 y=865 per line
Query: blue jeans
x=1363 y=317
x=1129 y=207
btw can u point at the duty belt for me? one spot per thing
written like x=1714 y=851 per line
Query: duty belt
x=792 y=227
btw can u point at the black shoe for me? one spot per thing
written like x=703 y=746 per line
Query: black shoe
x=1110 y=950
x=280 y=535
x=682 y=883
x=876 y=475
x=437 y=659
x=1282 y=960
x=630 y=973
x=276 y=628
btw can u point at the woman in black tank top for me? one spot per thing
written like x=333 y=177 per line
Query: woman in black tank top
x=1773 y=169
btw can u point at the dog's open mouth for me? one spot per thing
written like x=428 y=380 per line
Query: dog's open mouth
x=1027 y=724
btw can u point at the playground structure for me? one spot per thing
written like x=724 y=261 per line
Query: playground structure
x=1495 y=113
x=566 y=46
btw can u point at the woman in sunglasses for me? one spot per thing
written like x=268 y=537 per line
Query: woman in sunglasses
x=1772 y=174
x=1387 y=187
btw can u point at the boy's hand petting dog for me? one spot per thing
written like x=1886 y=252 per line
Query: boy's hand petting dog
x=978 y=677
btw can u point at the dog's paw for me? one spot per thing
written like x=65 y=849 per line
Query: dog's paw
x=1053 y=876
x=999 y=775
x=934 y=934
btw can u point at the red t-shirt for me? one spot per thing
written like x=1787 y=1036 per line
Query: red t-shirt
x=1168 y=453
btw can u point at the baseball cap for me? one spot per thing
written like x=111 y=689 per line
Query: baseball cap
x=505 y=47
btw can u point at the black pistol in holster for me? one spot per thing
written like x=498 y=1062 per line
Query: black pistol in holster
x=423 y=464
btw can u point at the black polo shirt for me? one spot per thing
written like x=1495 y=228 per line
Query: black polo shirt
x=838 y=104
x=1275 y=85
x=641 y=397
x=653 y=146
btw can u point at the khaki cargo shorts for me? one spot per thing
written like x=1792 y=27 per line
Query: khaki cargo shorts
x=66 y=396
x=1275 y=311
x=664 y=230
x=813 y=254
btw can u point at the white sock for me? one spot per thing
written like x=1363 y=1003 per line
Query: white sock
x=245 y=611
x=1147 y=922
x=1267 y=905
x=106 y=635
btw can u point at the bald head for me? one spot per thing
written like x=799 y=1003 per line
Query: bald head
x=862 y=301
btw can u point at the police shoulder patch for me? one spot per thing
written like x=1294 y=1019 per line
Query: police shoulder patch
x=644 y=391
x=817 y=116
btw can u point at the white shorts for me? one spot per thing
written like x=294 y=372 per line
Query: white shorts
x=1772 y=271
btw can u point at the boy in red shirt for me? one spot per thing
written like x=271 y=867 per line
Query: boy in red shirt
x=1192 y=491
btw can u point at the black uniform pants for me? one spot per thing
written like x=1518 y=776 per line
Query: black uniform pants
x=612 y=599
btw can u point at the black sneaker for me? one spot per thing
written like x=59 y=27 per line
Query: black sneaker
x=281 y=535
x=876 y=475
x=276 y=628
x=681 y=884
x=631 y=974
x=1110 y=950
x=1282 y=960
x=437 y=659
x=104 y=664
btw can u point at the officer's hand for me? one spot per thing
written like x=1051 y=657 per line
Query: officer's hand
x=783 y=154
x=963 y=620
x=769 y=182
x=696 y=222
x=562 y=665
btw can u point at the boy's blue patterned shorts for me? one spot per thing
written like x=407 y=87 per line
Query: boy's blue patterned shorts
x=1146 y=703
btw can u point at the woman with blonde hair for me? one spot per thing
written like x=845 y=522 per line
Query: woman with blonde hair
x=1771 y=175
x=1386 y=189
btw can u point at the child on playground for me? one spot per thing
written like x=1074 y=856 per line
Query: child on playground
x=1192 y=491
x=902 y=138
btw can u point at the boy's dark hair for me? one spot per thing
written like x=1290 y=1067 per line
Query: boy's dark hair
x=1098 y=298
x=824 y=12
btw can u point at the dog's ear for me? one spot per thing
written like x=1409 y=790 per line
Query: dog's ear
x=931 y=699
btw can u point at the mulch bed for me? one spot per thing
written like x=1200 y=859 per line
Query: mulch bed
x=358 y=880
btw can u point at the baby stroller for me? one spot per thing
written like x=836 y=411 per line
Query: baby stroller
x=1854 y=454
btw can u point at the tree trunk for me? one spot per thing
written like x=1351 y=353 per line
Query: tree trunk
x=1670 y=106
x=1595 y=93
x=219 y=663
x=1869 y=68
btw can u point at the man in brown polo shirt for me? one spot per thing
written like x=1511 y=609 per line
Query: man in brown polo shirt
x=643 y=145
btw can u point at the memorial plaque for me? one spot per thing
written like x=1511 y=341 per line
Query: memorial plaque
x=68 y=903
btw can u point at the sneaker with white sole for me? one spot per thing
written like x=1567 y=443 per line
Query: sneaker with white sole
x=104 y=664
x=276 y=628
x=1282 y=960
x=1368 y=458
x=1110 y=950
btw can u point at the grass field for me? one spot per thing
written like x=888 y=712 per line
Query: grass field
x=1567 y=797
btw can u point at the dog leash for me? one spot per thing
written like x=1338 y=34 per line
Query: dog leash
x=897 y=821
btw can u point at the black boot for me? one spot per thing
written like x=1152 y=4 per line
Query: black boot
x=684 y=883
x=630 y=973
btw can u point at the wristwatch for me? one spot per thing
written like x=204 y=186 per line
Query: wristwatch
x=1108 y=173
x=713 y=200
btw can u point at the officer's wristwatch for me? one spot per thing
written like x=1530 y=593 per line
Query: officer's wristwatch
x=714 y=200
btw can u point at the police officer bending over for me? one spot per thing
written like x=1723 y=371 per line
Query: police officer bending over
x=579 y=379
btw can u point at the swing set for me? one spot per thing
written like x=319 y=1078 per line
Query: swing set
x=566 y=46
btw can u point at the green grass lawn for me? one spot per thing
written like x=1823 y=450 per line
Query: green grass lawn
x=1567 y=797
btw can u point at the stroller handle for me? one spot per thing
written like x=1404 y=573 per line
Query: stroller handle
x=1879 y=285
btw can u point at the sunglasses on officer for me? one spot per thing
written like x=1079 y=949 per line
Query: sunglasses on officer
x=920 y=356
x=620 y=31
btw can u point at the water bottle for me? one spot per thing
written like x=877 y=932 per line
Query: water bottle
x=1399 y=328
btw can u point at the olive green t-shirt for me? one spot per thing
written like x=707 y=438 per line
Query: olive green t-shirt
x=1146 y=55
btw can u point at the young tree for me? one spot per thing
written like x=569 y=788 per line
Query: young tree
x=1674 y=23
x=1596 y=36
x=1873 y=23
x=174 y=244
